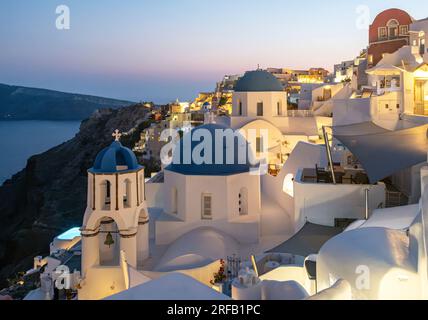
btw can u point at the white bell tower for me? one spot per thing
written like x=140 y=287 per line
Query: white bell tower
x=116 y=217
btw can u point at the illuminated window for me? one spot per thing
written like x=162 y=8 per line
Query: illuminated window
x=382 y=33
x=392 y=26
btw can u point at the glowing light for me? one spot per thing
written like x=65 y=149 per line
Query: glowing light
x=70 y=234
x=420 y=74
x=288 y=186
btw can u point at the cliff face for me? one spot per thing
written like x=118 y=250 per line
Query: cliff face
x=22 y=103
x=49 y=195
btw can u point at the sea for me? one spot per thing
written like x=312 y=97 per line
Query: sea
x=19 y=140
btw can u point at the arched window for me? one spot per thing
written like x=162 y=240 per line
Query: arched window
x=260 y=109
x=279 y=108
x=142 y=188
x=127 y=201
x=174 y=200
x=105 y=195
x=392 y=26
x=239 y=108
x=109 y=243
x=243 y=201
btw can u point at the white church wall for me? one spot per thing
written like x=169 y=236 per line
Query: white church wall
x=224 y=191
x=250 y=100
x=245 y=231
x=349 y=111
x=196 y=186
x=175 y=190
x=275 y=139
x=155 y=195
x=101 y=282
x=245 y=183
x=300 y=125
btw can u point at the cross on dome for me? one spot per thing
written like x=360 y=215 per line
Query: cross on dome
x=116 y=134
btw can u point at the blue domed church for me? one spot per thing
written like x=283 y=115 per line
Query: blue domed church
x=213 y=181
x=115 y=230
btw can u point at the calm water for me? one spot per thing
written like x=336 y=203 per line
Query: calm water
x=21 y=139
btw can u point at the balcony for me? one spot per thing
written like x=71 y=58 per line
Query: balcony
x=344 y=175
x=299 y=113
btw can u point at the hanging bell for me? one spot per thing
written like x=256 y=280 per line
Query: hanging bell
x=109 y=240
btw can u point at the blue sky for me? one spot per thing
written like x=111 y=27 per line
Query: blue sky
x=162 y=50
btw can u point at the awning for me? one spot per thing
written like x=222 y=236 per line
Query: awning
x=382 y=152
x=307 y=240
x=358 y=129
x=385 y=70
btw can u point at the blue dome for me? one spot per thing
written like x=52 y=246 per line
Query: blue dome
x=228 y=165
x=258 y=81
x=115 y=158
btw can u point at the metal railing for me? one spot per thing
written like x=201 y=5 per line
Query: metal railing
x=394 y=199
x=233 y=265
x=300 y=113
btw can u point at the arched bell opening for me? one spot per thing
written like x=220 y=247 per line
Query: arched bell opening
x=109 y=243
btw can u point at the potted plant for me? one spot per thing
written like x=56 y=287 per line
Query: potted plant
x=219 y=277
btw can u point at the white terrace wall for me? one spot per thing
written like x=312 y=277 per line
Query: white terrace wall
x=321 y=203
x=155 y=196
x=349 y=111
x=303 y=155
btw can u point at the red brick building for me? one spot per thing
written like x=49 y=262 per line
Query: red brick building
x=388 y=33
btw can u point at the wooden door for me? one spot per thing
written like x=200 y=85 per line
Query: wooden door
x=419 y=97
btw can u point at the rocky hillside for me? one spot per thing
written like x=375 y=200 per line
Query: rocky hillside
x=49 y=195
x=21 y=103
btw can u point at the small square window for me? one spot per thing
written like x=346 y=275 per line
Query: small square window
x=382 y=33
x=404 y=30
x=206 y=206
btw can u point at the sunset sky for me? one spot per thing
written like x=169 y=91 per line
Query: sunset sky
x=163 y=50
